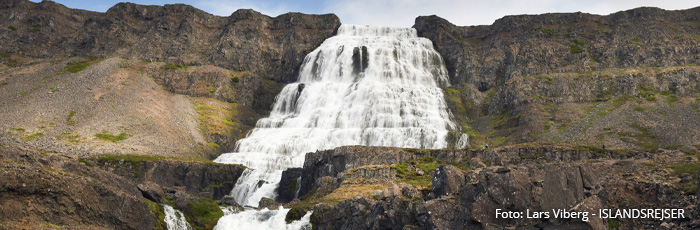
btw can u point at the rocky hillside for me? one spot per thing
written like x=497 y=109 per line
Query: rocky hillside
x=625 y=80
x=88 y=106
x=389 y=188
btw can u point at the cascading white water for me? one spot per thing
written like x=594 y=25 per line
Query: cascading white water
x=174 y=219
x=373 y=86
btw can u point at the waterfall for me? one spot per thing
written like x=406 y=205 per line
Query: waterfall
x=372 y=86
x=174 y=219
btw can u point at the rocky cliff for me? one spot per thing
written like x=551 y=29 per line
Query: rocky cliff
x=245 y=41
x=625 y=80
x=460 y=189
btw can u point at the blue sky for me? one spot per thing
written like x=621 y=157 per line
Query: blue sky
x=403 y=12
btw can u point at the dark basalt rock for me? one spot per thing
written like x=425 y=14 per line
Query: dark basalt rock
x=289 y=185
x=447 y=180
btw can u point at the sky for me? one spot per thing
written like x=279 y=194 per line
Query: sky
x=402 y=13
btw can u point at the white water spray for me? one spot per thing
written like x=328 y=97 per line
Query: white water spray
x=174 y=219
x=372 y=86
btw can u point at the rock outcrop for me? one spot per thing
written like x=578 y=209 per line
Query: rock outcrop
x=522 y=178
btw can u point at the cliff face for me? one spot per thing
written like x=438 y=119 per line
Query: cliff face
x=529 y=45
x=245 y=41
x=625 y=80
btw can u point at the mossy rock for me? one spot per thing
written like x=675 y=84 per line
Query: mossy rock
x=294 y=214
x=205 y=213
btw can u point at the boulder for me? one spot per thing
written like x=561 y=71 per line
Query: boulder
x=268 y=203
x=151 y=191
x=447 y=180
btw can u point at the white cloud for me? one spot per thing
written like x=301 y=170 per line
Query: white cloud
x=403 y=13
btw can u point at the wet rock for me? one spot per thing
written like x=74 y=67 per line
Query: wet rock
x=289 y=185
x=268 y=203
x=294 y=214
x=228 y=200
x=151 y=191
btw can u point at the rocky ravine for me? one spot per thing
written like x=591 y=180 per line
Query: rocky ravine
x=390 y=188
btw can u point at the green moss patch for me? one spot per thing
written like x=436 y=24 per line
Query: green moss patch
x=136 y=159
x=205 y=212
x=112 y=138
x=33 y=137
x=70 y=138
x=692 y=169
x=69 y=119
x=78 y=66
x=425 y=164
x=158 y=214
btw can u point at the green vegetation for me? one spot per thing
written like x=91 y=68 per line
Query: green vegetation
x=692 y=169
x=70 y=138
x=137 y=159
x=85 y=162
x=638 y=109
x=578 y=42
x=235 y=80
x=546 y=30
x=171 y=66
x=213 y=145
x=33 y=137
x=12 y=28
x=635 y=39
x=34 y=28
x=643 y=138
x=294 y=214
x=69 y=120
x=292 y=187
x=17 y=129
x=78 y=66
x=109 y=137
x=157 y=212
x=651 y=98
x=574 y=49
x=205 y=212
x=575 y=46
x=5 y=55
x=425 y=164
x=614 y=224
x=22 y=93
